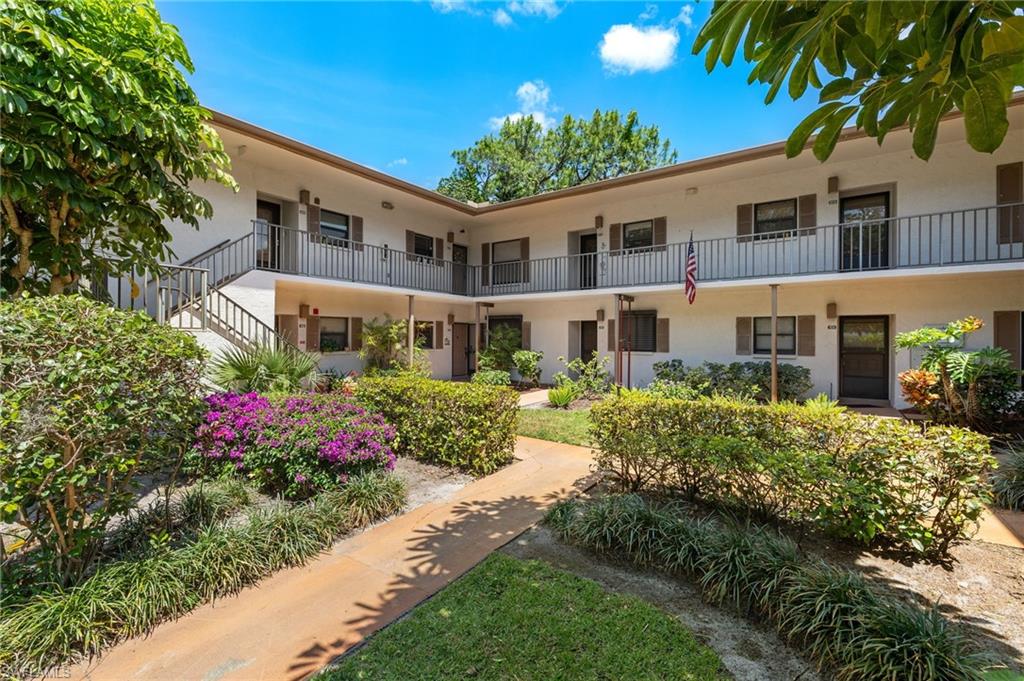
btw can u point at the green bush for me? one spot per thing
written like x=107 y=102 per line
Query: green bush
x=858 y=477
x=592 y=377
x=492 y=377
x=88 y=395
x=469 y=426
x=1008 y=480
x=129 y=597
x=563 y=395
x=738 y=379
x=834 y=614
x=528 y=365
x=265 y=369
x=502 y=344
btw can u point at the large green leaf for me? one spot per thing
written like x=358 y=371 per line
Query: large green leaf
x=985 y=113
x=797 y=140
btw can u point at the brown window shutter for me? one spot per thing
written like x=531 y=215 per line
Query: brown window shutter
x=355 y=333
x=526 y=333
x=438 y=248
x=410 y=245
x=312 y=334
x=615 y=237
x=1010 y=189
x=745 y=221
x=807 y=213
x=313 y=218
x=524 y=253
x=805 y=335
x=1006 y=334
x=661 y=343
x=744 y=335
x=438 y=335
x=611 y=335
x=485 y=260
x=356 y=233
x=660 y=230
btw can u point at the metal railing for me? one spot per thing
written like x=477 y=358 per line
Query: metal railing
x=976 y=235
x=166 y=294
x=294 y=251
x=239 y=326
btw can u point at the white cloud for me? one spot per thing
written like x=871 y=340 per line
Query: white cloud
x=534 y=98
x=535 y=8
x=502 y=18
x=398 y=162
x=685 y=17
x=503 y=15
x=448 y=6
x=626 y=48
x=649 y=12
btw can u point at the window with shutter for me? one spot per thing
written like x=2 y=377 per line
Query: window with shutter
x=744 y=333
x=640 y=331
x=786 y=334
x=1010 y=190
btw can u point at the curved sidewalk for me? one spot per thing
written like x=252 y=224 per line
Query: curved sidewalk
x=291 y=624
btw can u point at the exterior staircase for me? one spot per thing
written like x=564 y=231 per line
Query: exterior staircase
x=190 y=295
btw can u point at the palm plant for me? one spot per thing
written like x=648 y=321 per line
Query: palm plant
x=264 y=369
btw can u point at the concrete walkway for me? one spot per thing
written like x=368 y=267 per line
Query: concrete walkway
x=293 y=623
x=533 y=398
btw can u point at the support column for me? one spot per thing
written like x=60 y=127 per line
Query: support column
x=476 y=340
x=775 y=342
x=410 y=341
x=478 y=332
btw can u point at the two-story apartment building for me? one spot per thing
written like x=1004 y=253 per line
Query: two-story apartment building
x=868 y=244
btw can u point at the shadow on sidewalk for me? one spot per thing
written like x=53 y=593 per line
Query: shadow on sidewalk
x=440 y=553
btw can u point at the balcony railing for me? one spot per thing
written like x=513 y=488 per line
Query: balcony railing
x=979 y=235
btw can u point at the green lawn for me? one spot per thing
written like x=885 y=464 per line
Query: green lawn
x=556 y=425
x=514 y=619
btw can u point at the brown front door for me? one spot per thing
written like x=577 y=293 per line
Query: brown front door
x=461 y=350
x=268 y=216
x=588 y=340
x=588 y=260
x=865 y=240
x=460 y=257
x=864 y=358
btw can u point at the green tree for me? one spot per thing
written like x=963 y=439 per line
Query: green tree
x=890 y=63
x=523 y=159
x=101 y=137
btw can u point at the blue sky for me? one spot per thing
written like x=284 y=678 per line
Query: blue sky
x=399 y=85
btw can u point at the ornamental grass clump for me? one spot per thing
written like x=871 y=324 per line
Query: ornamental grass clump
x=127 y=598
x=292 y=446
x=846 y=624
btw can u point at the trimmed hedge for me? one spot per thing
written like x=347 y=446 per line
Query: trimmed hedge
x=834 y=614
x=736 y=379
x=466 y=425
x=858 y=477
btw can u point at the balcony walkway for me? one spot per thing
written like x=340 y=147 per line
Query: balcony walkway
x=296 y=621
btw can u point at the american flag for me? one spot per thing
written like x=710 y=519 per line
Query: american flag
x=691 y=272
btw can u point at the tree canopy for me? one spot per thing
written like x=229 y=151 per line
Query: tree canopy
x=101 y=137
x=890 y=63
x=524 y=159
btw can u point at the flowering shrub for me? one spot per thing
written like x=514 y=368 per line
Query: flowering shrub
x=294 y=446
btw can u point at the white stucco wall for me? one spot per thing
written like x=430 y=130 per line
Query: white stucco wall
x=706 y=330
